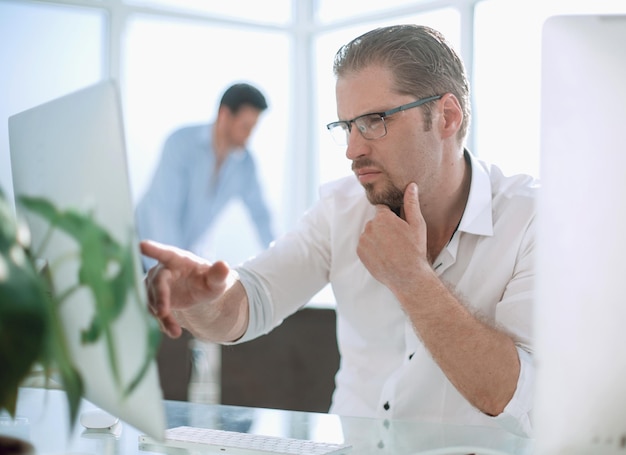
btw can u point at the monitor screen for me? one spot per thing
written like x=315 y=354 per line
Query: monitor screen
x=581 y=305
x=71 y=186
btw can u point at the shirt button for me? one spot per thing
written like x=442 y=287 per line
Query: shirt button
x=386 y=406
x=411 y=356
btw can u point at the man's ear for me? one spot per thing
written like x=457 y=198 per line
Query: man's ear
x=452 y=115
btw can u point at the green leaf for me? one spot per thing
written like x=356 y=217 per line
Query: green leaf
x=108 y=270
x=23 y=299
x=31 y=331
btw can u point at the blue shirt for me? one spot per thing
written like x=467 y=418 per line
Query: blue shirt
x=186 y=196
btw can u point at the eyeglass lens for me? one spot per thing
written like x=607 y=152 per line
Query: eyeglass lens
x=370 y=126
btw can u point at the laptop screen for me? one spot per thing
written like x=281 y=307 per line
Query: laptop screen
x=71 y=186
x=580 y=310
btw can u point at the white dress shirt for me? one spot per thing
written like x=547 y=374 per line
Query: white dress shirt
x=385 y=370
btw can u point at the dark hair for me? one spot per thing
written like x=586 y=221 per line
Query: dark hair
x=238 y=95
x=421 y=59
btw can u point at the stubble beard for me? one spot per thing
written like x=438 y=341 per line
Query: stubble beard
x=390 y=195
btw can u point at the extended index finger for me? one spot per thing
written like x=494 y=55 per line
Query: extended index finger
x=159 y=251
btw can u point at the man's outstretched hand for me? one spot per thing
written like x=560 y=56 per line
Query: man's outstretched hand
x=180 y=281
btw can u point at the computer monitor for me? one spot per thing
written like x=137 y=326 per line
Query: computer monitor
x=581 y=299
x=70 y=153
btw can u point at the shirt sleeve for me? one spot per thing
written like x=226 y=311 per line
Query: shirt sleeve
x=514 y=315
x=283 y=278
x=261 y=314
x=516 y=416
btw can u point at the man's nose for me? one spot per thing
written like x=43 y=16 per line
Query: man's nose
x=357 y=145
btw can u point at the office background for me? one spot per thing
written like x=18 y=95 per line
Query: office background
x=173 y=58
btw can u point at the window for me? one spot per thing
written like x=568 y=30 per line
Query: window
x=174 y=57
x=332 y=10
x=507 y=77
x=274 y=12
x=175 y=72
x=46 y=51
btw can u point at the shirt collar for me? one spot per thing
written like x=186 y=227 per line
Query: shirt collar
x=477 y=217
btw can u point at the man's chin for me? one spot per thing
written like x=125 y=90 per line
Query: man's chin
x=370 y=193
x=391 y=198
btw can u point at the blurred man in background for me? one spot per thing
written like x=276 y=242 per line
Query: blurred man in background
x=202 y=168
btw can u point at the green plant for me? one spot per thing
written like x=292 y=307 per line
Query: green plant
x=31 y=330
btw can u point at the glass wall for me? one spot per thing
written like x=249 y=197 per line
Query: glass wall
x=45 y=51
x=507 y=76
x=175 y=72
x=254 y=11
x=173 y=58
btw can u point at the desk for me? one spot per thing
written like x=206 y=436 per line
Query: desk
x=42 y=420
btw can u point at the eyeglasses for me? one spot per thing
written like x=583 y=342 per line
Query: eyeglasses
x=372 y=125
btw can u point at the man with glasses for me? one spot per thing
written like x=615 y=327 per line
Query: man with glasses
x=429 y=251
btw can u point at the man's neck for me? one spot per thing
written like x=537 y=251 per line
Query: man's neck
x=442 y=228
x=221 y=148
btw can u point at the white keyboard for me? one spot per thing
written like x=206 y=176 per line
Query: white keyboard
x=205 y=440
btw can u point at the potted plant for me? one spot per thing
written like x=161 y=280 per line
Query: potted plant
x=31 y=327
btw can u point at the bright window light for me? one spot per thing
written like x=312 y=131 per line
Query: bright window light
x=175 y=72
x=46 y=51
x=507 y=77
x=274 y=12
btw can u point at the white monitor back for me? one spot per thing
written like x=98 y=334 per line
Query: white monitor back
x=71 y=151
x=581 y=292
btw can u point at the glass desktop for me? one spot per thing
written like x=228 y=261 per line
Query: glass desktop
x=42 y=420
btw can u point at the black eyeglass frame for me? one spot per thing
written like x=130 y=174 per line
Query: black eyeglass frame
x=382 y=115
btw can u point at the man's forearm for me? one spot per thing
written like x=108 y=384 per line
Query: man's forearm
x=480 y=360
x=220 y=321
